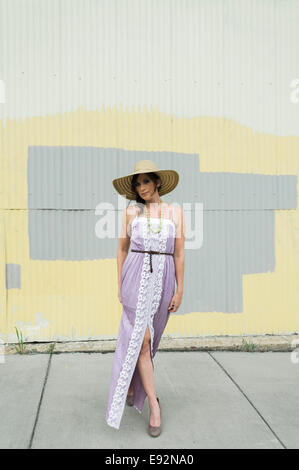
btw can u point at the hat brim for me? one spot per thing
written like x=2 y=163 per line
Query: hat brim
x=169 y=180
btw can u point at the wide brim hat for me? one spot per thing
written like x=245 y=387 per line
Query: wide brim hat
x=169 y=179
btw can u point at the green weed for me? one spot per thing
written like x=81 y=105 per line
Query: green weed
x=247 y=346
x=20 y=348
x=51 y=348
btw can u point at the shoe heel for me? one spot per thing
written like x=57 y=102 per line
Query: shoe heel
x=155 y=431
x=130 y=400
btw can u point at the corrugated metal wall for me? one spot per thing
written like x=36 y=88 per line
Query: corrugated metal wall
x=88 y=88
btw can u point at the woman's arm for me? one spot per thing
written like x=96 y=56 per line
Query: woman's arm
x=124 y=241
x=179 y=250
x=123 y=245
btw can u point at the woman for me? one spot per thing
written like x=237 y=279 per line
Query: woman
x=146 y=287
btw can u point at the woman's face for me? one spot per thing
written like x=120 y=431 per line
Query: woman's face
x=145 y=187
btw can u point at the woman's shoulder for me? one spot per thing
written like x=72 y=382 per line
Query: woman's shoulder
x=176 y=213
x=133 y=210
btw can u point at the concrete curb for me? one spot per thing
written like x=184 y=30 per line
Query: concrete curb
x=252 y=343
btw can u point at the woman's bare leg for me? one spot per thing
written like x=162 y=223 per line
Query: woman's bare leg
x=130 y=391
x=146 y=371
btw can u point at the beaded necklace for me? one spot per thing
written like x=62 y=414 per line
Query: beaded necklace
x=149 y=222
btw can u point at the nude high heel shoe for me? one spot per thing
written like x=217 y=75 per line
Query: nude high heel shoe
x=155 y=431
x=130 y=400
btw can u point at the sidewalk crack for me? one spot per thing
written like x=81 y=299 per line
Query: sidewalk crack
x=40 y=402
x=246 y=397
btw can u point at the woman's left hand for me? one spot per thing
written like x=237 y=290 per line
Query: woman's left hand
x=175 y=302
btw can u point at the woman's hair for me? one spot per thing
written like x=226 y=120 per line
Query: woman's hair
x=140 y=201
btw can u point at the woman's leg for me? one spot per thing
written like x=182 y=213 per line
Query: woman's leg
x=146 y=372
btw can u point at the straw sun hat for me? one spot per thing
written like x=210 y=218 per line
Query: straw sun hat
x=169 y=179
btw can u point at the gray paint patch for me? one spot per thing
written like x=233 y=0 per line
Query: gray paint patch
x=13 y=276
x=65 y=184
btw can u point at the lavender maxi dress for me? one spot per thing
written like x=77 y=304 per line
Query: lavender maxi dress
x=145 y=299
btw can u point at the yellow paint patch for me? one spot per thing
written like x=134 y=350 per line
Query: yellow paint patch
x=79 y=299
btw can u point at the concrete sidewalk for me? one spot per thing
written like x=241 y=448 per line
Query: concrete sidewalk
x=209 y=400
